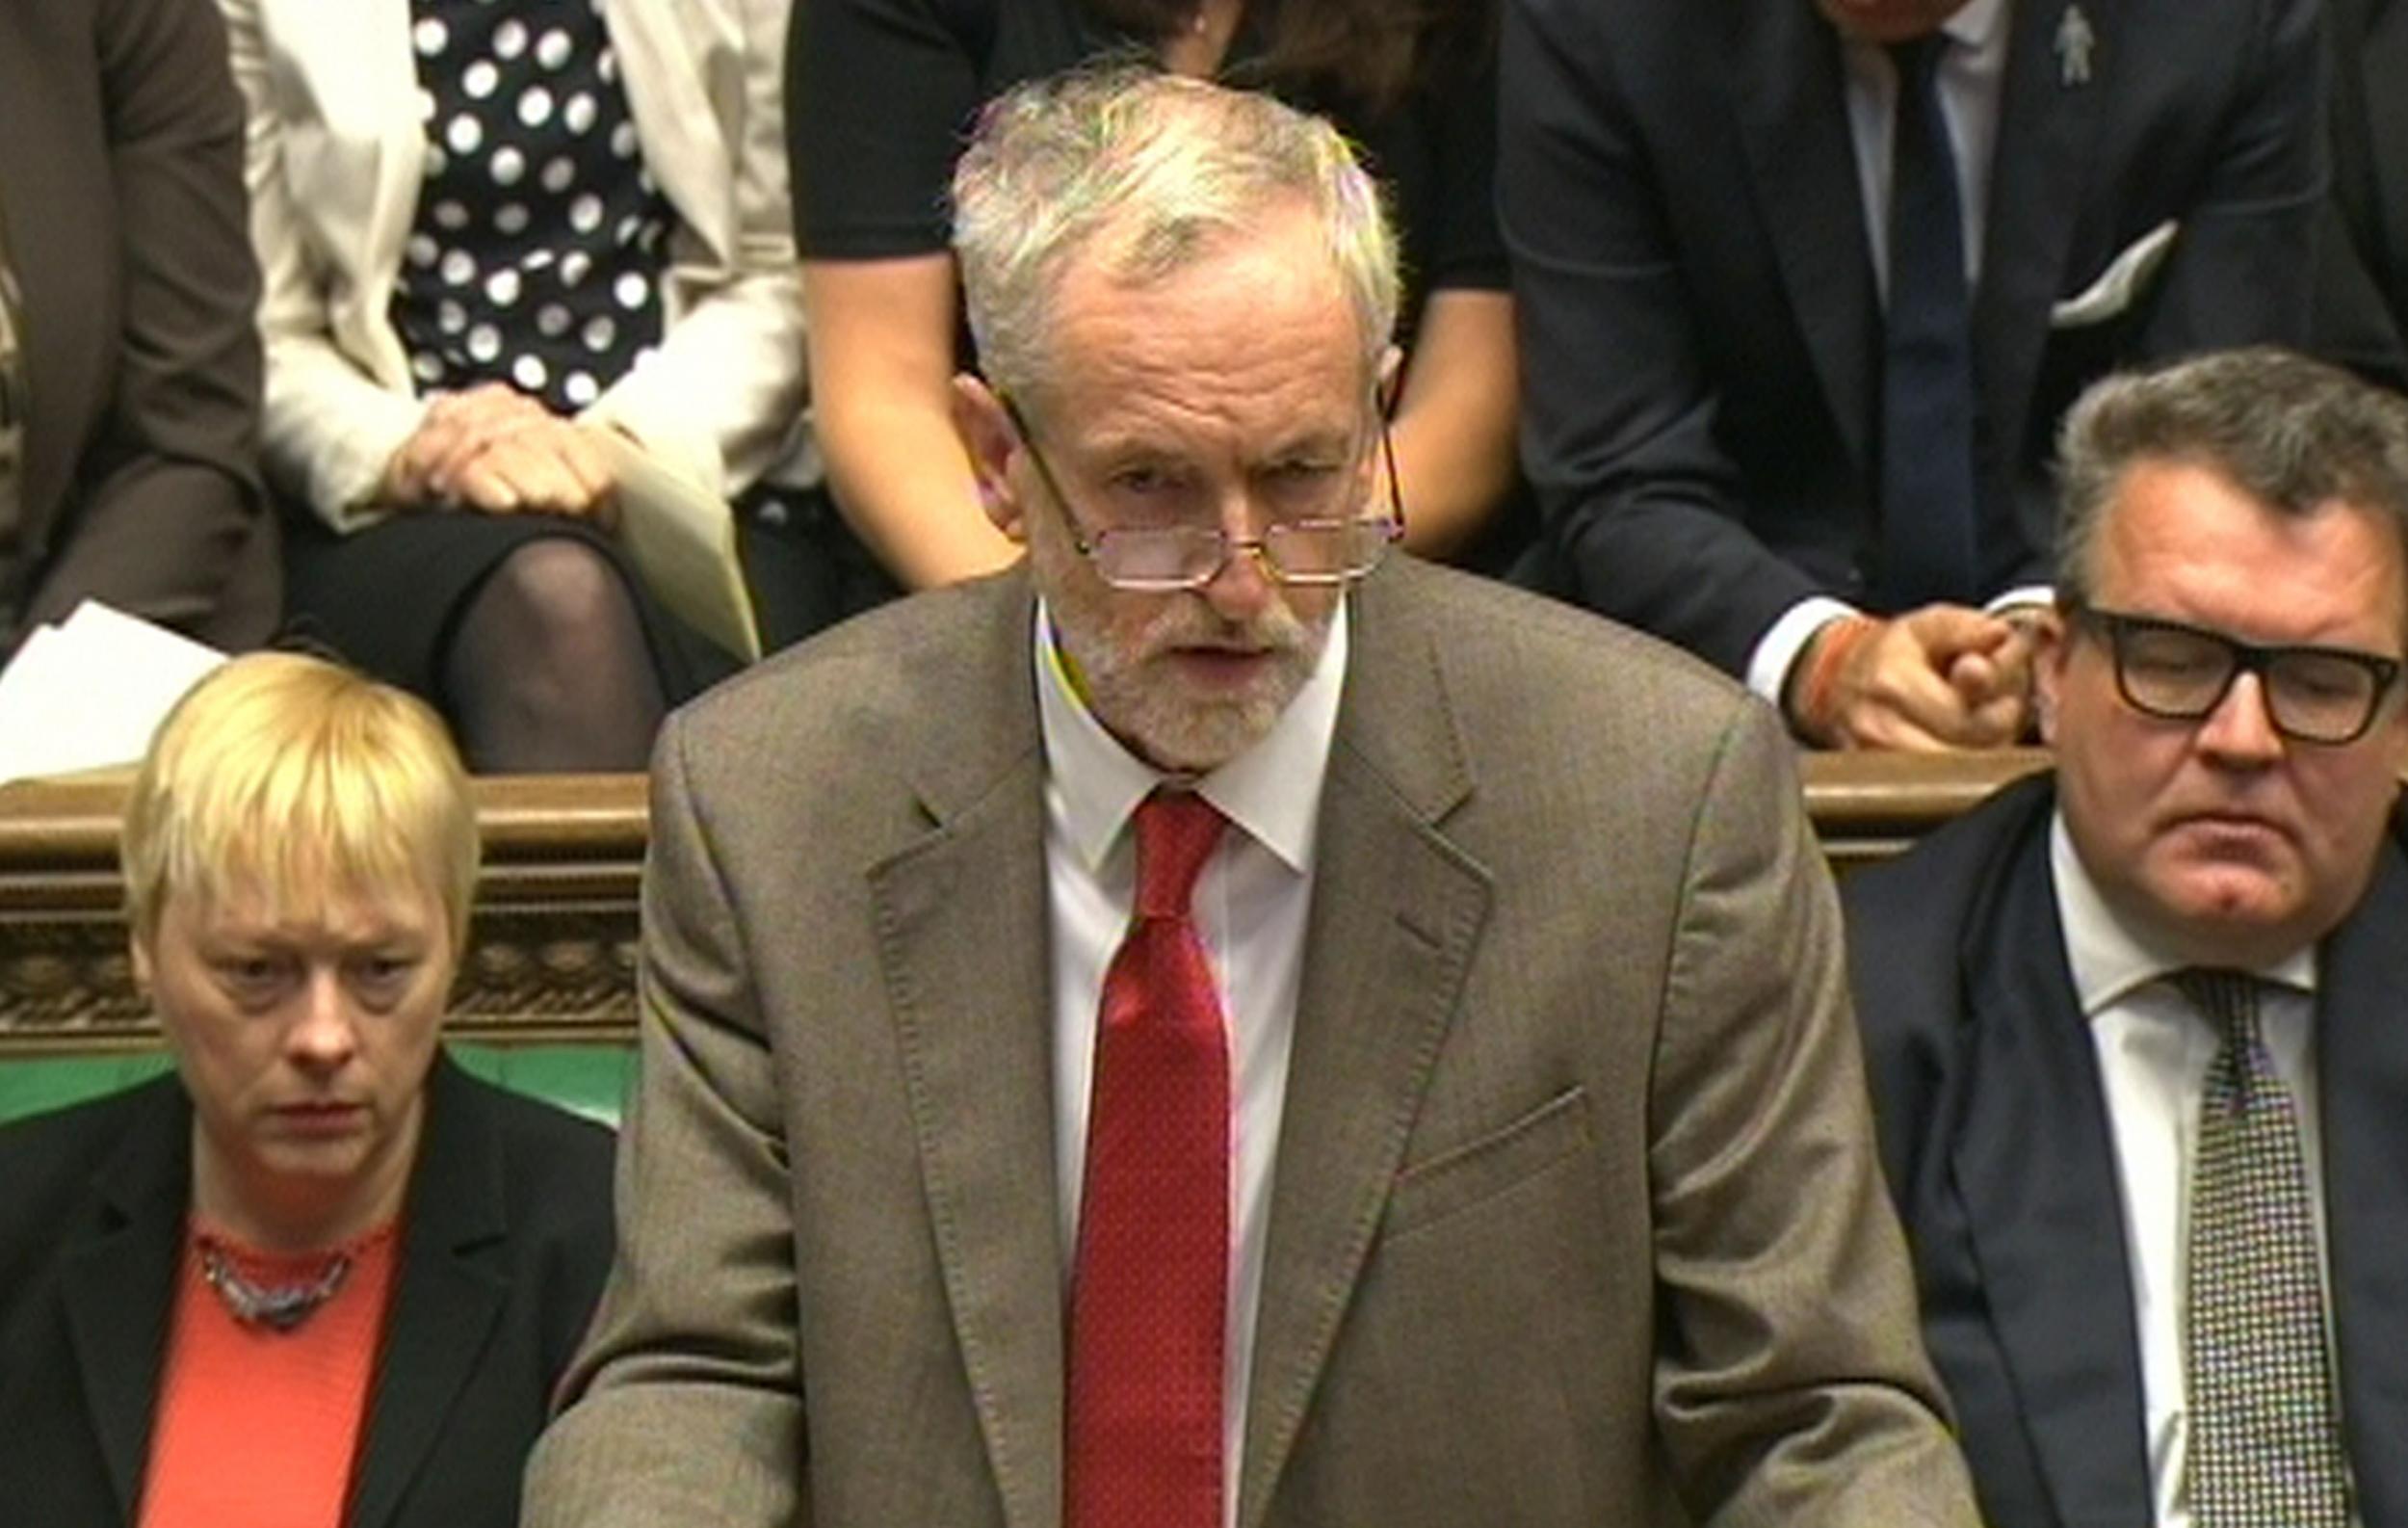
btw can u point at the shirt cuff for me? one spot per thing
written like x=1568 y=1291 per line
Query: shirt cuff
x=1777 y=649
x=2023 y=596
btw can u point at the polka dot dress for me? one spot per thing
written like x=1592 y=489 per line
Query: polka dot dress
x=536 y=254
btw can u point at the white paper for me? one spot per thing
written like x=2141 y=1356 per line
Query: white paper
x=87 y=692
x=683 y=541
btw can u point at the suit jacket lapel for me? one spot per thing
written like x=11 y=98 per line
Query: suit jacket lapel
x=354 y=153
x=1396 y=912
x=1793 y=108
x=120 y=1282
x=447 y=1295
x=2047 y=128
x=2035 y=1167
x=963 y=938
x=2361 y=1049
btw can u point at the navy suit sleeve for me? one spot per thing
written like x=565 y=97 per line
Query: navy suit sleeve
x=1619 y=405
x=2241 y=270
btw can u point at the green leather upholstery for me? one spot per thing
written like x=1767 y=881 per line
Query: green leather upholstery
x=590 y=1079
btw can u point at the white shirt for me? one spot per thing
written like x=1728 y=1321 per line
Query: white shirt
x=1972 y=82
x=1251 y=905
x=2153 y=1050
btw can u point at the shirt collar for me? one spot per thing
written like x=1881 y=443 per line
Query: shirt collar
x=1978 y=25
x=1272 y=790
x=2109 y=960
x=1978 y=28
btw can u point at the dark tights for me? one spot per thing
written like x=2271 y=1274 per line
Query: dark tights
x=548 y=667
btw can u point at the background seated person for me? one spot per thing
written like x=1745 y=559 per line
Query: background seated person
x=884 y=91
x=489 y=234
x=2134 y=1030
x=321 y=1276
x=129 y=367
x=1806 y=285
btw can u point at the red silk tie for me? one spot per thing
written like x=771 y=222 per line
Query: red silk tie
x=1149 y=1290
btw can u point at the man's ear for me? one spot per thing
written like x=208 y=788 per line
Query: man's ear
x=140 y=950
x=986 y=433
x=2051 y=650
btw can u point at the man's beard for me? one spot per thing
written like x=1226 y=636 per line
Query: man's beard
x=1161 y=714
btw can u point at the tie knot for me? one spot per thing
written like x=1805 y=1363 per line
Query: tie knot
x=1918 y=60
x=2229 y=999
x=1176 y=830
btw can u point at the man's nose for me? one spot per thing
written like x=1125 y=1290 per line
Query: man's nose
x=2240 y=729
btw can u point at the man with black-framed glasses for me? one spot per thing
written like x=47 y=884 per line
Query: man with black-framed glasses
x=1227 y=1023
x=2139 y=1030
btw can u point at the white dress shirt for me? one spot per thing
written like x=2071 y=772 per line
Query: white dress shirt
x=2153 y=1050
x=1251 y=905
x=1972 y=82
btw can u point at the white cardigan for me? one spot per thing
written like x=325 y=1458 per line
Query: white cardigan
x=334 y=159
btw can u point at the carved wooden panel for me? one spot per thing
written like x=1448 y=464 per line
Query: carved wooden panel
x=552 y=943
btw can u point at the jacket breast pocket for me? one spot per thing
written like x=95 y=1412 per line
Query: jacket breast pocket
x=1469 y=1174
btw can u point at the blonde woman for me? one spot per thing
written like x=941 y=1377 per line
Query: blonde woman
x=320 y=1276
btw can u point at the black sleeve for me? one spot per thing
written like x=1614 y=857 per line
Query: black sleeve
x=1434 y=154
x=879 y=95
x=1459 y=245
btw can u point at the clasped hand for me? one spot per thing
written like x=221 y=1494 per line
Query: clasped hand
x=1945 y=676
x=494 y=450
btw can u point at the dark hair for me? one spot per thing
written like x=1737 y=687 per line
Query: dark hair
x=2292 y=434
x=1370 y=53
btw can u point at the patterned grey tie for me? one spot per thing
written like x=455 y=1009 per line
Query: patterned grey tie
x=2266 y=1443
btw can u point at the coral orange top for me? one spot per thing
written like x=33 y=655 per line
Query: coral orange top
x=257 y=1428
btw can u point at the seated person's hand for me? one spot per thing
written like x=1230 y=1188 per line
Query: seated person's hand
x=1944 y=676
x=494 y=450
x=1994 y=678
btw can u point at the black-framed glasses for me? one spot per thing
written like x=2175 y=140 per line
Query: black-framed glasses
x=1315 y=548
x=2182 y=673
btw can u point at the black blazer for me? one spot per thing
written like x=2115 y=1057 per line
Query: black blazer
x=1994 y=1137
x=2362 y=259
x=1699 y=327
x=121 y=204
x=504 y=1241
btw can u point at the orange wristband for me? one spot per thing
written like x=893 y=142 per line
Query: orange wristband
x=1816 y=686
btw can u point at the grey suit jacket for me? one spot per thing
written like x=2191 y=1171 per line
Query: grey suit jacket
x=1576 y=1216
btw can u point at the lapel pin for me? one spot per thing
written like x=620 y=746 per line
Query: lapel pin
x=2074 y=43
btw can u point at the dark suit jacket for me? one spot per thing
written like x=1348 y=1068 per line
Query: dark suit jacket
x=1994 y=1137
x=1699 y=325
x=121 y=203
x=2362 y=257
x=1575 y=1218
x=505 y=1239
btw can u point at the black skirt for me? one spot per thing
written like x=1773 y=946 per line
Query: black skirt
x=387 y=598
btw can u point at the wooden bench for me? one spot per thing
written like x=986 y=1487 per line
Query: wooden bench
x=552 y=948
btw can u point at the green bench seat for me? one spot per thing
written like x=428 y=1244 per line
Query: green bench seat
x=587 y=1079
